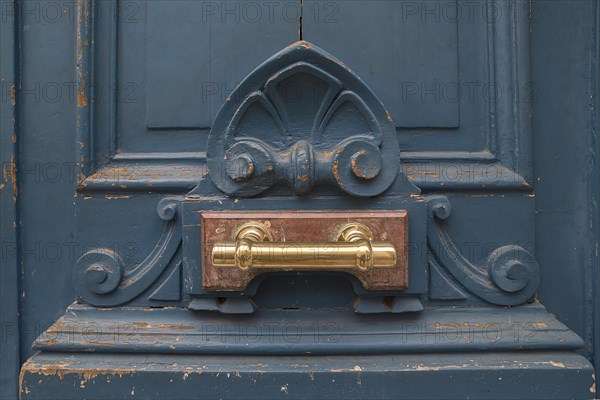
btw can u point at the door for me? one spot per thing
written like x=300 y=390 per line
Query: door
x=328 y=199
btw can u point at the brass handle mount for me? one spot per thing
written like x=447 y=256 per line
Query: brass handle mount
x=254 y=248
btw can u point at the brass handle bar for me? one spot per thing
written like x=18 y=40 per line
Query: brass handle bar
x=254 y=248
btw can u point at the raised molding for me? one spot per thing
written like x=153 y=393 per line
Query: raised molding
x=11 y=236
x=179 y=172
x=145 y=176
x=433 y=330
x=84 y=75
x=509 y=124
x=197 y=157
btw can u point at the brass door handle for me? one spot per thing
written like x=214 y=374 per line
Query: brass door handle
x=254 y=248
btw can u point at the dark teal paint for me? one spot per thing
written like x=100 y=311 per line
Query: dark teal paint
x=275 y=377
x=565 y=44
x=563 y=172
x=10 y=305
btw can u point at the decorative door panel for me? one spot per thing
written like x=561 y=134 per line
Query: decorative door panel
x=461 y=133
x=305 y=178
x=412 y=61
x=444 y=71
x=163 y=76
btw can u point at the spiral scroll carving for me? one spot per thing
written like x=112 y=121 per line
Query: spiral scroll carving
x=101 y=278
x=510 y=275
x=167 y=209
x=102 y=270
x=514 y=269
x=440 y=207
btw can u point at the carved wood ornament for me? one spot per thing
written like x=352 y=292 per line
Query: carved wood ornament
x=303 y=119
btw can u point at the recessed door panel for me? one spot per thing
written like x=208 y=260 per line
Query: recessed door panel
x=256 y=182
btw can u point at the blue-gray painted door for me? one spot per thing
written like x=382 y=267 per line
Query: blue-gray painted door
x=127 y=125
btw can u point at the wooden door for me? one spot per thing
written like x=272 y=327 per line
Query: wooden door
x=179 y=159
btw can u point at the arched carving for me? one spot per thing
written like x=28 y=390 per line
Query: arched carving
x=307 y=120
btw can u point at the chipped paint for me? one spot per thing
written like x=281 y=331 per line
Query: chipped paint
x=303 y=43
x=442 y=367
x=62 y=369
x=452 y=326
x=336 y=173
x=388 y=116
x=541 y=325
x=551 y=363
x=9 y=175
x=145 y=325
x=13 y=97
x=81 y=97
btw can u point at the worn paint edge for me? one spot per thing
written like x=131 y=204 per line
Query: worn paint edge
x=593 y=271
x=84 y=81
x=10 y=273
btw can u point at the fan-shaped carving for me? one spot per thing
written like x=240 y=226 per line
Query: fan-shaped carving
x=311 y=122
